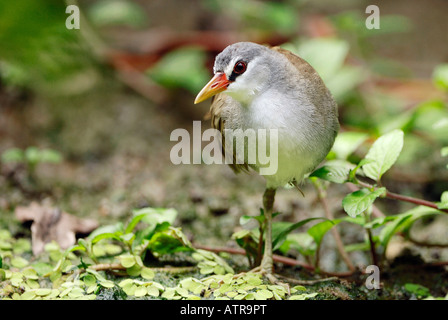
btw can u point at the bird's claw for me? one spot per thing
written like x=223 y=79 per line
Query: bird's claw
x=269 y=276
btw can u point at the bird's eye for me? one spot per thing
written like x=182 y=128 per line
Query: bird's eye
x=239 y=67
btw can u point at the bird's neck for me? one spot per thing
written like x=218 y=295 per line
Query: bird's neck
x=248 y=97
x=252 y=88
x=244 y=98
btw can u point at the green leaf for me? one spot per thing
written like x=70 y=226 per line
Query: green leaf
x=127 y=238
x=359 y=201
x=279 y=16
x=89 y=280
x=117 y=12
x=19 y=262
x=169 y=241
x=32 y=155
x=320 y=229
x=403 y=222
x=42 y=268
x=134 y=221
x=416 y=213
x=302 y=242
x=82 y=244
x=13 y=155
x=183 y=67
x=417 y=289
x=147 y=273
x=336 y=171
x=127 y=260
x=140 y=292
x=28 y=295
x=43 y=292
x=303 y=296
x=259 y=218
x=431 y=118
x=443 y=204
x=159 y=215
x=153 y=291
x=50 y=156
x=246 y=218
x=192 y=285
x=21 y=245
x=280 y=235
x=107 y=284
x=134 y=271
x=440 y=76
x=107 y=232
x=169 y=293
x=390 y=229
x=375 y=223
x=345 y=80
x=444 y=151
x=240 y=234
x=30 y=273
x=263 y=294
x=362 y=246
x=326 y=55
x=384 y=152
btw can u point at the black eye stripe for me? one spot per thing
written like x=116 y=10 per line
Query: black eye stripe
x=238 y=69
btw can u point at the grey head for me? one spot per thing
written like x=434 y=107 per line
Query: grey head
x=249 y=67
x=240 y=51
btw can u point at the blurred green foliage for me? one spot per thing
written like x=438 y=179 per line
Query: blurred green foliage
x=440 y=76
x=39 y=52
x=266 y=16
x=31 y=157
x=117 y=13
x=327 y=56
x=182 y=68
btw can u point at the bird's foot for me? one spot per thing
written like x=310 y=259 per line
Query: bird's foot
x=274 y=280
x=269 y=275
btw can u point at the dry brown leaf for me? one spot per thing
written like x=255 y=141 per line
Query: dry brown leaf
x=50 y=223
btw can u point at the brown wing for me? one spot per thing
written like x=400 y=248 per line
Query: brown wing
x=219 y=104
x=301 y=65
x=326 y=106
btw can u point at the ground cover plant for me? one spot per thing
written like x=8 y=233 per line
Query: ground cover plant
x=92 y=208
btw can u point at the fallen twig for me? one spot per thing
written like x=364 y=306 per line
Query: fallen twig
x=308 y=282
x=118 y=266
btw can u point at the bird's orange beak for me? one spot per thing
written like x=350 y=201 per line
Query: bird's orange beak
x=217 y=84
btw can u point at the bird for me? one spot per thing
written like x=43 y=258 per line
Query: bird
x=257 y=86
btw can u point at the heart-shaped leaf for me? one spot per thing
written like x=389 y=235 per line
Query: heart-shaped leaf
x=384 y=152
x=359 y=201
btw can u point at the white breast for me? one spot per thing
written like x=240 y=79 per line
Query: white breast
x=296 y=154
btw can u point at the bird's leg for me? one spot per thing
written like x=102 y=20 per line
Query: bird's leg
x=266 y=268
x=268 y=203
x=267 y=263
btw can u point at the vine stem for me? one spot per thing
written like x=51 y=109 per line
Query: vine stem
x=372 y=243
x=396 y=196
